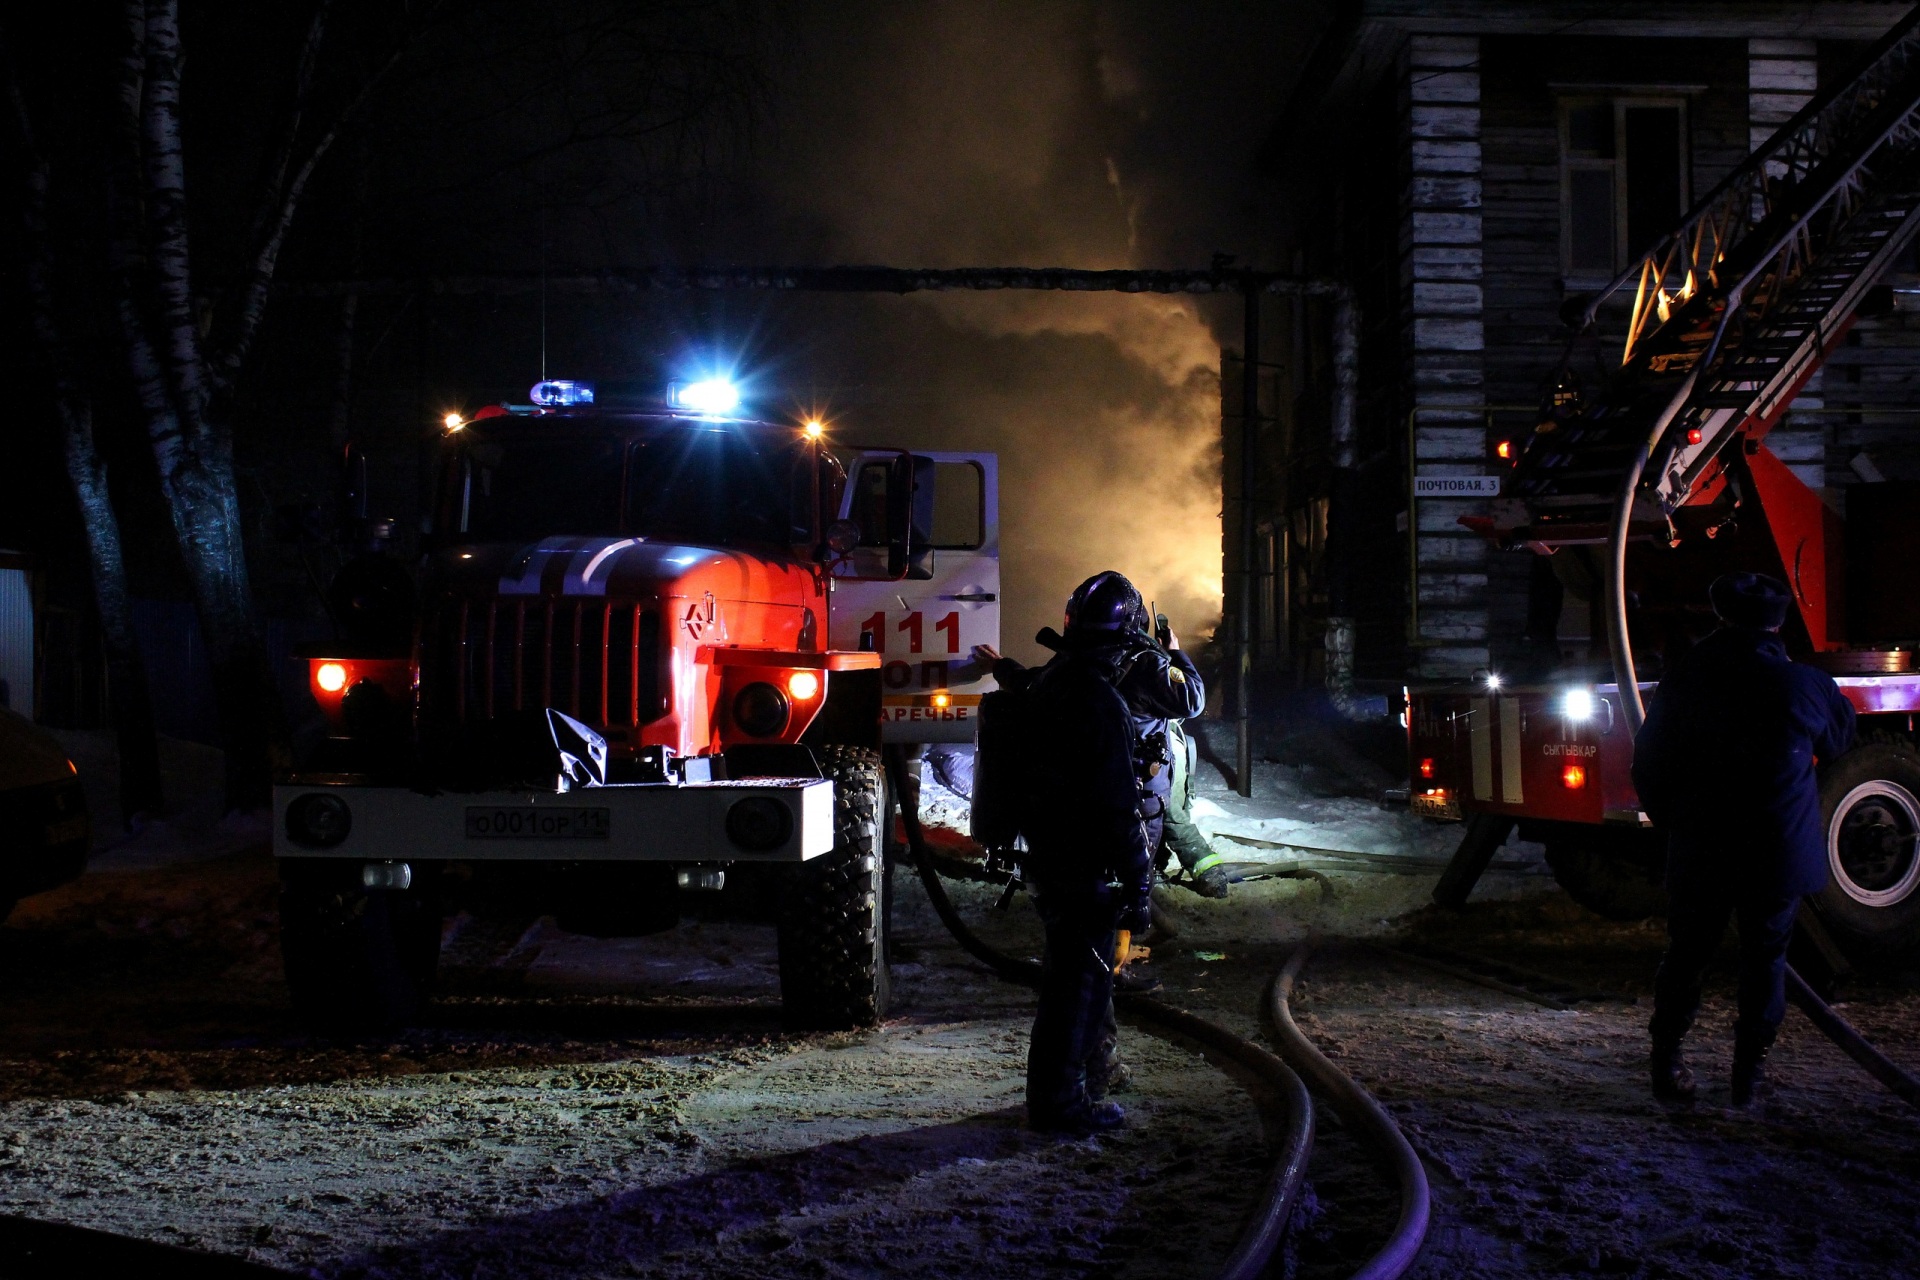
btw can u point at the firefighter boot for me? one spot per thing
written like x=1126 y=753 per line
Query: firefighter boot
x=1672 y=1081
x=1749 y=1060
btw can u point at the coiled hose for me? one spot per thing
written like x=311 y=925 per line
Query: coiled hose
x=1358 y=1108
x=1263 y=1233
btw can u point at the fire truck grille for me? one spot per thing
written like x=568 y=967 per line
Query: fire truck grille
x=596 y=660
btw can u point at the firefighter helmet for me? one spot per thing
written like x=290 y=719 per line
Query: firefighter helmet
x=1105 y=602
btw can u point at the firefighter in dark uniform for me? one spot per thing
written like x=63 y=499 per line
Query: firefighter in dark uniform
x=1725 y=765
x=1162 y=687
x=1088 y=859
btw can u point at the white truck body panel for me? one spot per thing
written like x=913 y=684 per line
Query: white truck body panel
x=685 y=823
x=926 y=628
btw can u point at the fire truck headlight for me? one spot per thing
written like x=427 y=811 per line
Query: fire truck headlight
x=1493 y=680
x=1577 y=704
x=331 y=676
x=318 y=821
x=761 y=710
x=758 y=823
x=803 y=685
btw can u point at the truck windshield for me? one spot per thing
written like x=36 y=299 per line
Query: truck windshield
x=524 y=489
x=710 y=487
x=713 y=486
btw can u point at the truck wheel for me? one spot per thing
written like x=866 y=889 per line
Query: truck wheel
x=1870 y=810
x=833 y=968
x=357 y=959
x=1618 y=879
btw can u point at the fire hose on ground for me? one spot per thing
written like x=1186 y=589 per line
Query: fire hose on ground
x=1357 y=1108
x=1851 y=1042
x=1263 y=1234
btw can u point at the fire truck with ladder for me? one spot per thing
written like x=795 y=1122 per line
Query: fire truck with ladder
x=645 y=668
x=1663 y=464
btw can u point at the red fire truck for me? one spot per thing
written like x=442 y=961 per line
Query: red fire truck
x=1660 y=472
x=646 y=667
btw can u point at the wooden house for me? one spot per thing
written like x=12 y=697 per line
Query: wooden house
x=1469 y=168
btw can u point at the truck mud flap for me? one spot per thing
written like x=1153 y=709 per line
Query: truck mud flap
x=1486 y=832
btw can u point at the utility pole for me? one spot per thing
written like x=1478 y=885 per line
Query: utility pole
x=1243 y=609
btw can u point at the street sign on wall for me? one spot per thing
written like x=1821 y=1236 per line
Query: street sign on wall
x=1456 y=486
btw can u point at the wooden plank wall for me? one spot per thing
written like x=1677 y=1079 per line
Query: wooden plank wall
x=1445 y=341
x=1782 y=76
x=1525 y=78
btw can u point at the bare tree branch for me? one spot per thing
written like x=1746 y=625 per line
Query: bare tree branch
x=279 y=161
x=232 y=355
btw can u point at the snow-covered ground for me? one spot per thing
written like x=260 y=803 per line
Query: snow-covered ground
x=582 y=1107
x=1305 y=860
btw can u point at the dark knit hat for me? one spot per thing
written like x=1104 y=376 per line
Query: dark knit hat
x=1750 y=600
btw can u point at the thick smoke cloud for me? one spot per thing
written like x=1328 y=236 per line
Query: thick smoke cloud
x=951 y=133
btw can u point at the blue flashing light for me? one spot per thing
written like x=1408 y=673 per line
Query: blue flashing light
x=709 y=395
x=560 y=393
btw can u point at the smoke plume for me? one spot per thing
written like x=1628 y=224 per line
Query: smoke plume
x=955 y=133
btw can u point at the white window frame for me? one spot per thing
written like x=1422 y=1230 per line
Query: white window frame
x=1617 y=167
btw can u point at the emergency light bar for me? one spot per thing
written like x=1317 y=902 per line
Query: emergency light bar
x=560 y=393
x=709 y=395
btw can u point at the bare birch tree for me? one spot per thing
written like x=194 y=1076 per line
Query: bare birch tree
x=186 y=347
x=618 y=87
x=140 y=786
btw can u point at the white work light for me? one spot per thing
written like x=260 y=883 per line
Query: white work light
x=1577 y=704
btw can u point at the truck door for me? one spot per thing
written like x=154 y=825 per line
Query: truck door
x=926 y=623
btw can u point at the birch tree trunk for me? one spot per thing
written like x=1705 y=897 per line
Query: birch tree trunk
x=161 y=322
x=132 y=708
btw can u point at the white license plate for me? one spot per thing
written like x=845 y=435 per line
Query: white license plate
x=542 y=823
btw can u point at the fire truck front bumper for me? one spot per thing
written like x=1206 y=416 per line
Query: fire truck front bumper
x=762 y=820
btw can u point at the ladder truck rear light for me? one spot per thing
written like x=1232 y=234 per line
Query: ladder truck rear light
x=1573 y=777
x=1426 y=767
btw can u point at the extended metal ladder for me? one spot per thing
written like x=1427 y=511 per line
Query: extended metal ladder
x=1733 y=310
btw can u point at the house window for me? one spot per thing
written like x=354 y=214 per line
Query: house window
x=1623 y=179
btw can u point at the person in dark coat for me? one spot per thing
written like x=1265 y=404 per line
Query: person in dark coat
x=1725 y=765
x=1087 y=860
x=1162 y=687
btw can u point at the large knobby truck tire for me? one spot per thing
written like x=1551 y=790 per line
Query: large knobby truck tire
x=832 y=923
x=1870 y=816
x=1618 y=875
x=357 y=959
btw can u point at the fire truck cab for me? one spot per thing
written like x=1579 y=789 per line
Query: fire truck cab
x=644 y=667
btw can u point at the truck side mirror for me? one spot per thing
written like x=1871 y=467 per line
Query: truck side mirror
x=353 y=484
x=842 y=539
x=920 y=520
x=900 y=516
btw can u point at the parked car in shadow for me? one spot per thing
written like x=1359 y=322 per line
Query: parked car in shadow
x=44 y=829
